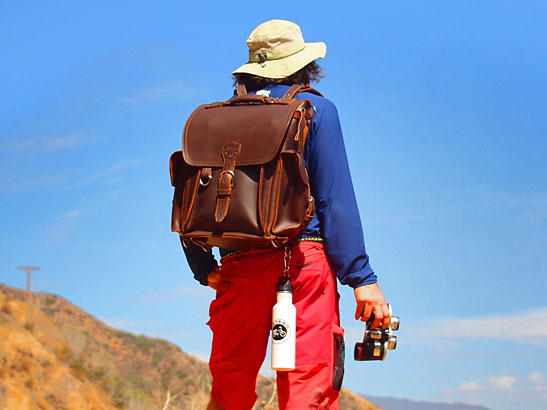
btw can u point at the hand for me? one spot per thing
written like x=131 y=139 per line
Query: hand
x=213 y=279
x=370 y=300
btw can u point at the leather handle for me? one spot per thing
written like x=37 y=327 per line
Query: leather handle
x=248 y=98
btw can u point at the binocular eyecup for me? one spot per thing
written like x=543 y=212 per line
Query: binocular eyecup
x=376 y=342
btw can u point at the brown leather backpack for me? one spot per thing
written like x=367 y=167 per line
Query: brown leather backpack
x=241 y=180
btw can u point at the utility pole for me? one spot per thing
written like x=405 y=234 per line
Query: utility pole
x=28 y=269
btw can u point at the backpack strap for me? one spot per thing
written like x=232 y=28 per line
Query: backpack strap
x=291 y=92
x=308 y=89
x=297 y=89
x=241 y=90
x=230 y=151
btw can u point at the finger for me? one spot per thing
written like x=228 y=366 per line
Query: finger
x=359 y=310
x=378 y=317
x=387 y=317
x=366 y=313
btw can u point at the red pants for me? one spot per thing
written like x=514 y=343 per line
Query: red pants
x=241 y=317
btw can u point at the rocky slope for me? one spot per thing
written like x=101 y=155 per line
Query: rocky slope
x=55 y=356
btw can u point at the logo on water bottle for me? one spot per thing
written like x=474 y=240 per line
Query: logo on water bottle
x=280 y=331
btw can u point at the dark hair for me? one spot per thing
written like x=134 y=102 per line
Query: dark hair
x=310 y=73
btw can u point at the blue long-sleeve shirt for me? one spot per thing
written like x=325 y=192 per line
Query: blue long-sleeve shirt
x=336 y=218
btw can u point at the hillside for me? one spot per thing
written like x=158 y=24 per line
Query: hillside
x=55 y=356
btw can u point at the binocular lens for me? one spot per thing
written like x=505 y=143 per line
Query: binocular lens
x=358 y=351
x=370 y=351
x=395 y=322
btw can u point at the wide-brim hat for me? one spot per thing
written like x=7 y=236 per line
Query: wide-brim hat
x=277 y=50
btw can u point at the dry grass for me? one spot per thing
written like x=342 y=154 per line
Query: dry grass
x=64 y=358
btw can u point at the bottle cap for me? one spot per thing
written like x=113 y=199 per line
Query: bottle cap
x=284 y=284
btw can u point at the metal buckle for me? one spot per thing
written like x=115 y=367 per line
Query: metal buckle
x=206 y=182
x=286 y=261
x=227 y=171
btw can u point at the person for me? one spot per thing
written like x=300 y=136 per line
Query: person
x=330 y=247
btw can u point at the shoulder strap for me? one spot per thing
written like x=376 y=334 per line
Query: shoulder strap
x=308 y=89
x=297 y=89
x=241 y=90
x=292 y=91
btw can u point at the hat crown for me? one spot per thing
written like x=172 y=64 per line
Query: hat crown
x=275 y=39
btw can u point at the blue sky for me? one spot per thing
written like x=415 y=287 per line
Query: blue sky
x=443 y=107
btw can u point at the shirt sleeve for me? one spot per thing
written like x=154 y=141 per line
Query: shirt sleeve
x=201 y=261
x=335 y=201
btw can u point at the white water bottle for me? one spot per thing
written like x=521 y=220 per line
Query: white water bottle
x=283 y=327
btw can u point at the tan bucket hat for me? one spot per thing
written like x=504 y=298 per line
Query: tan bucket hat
x=277 y=50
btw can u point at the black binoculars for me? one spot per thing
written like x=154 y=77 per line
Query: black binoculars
x=377 y=342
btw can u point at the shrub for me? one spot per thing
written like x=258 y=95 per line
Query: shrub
x=77 y=364
x=49 y=301
x=29 y=326
x=62 y=352
x=5 y=308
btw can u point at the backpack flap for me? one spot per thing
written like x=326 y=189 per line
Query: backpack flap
x=259 y=128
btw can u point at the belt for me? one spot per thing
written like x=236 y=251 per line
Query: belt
x=302 y=239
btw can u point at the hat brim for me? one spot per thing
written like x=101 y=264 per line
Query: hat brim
x=284 y=67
